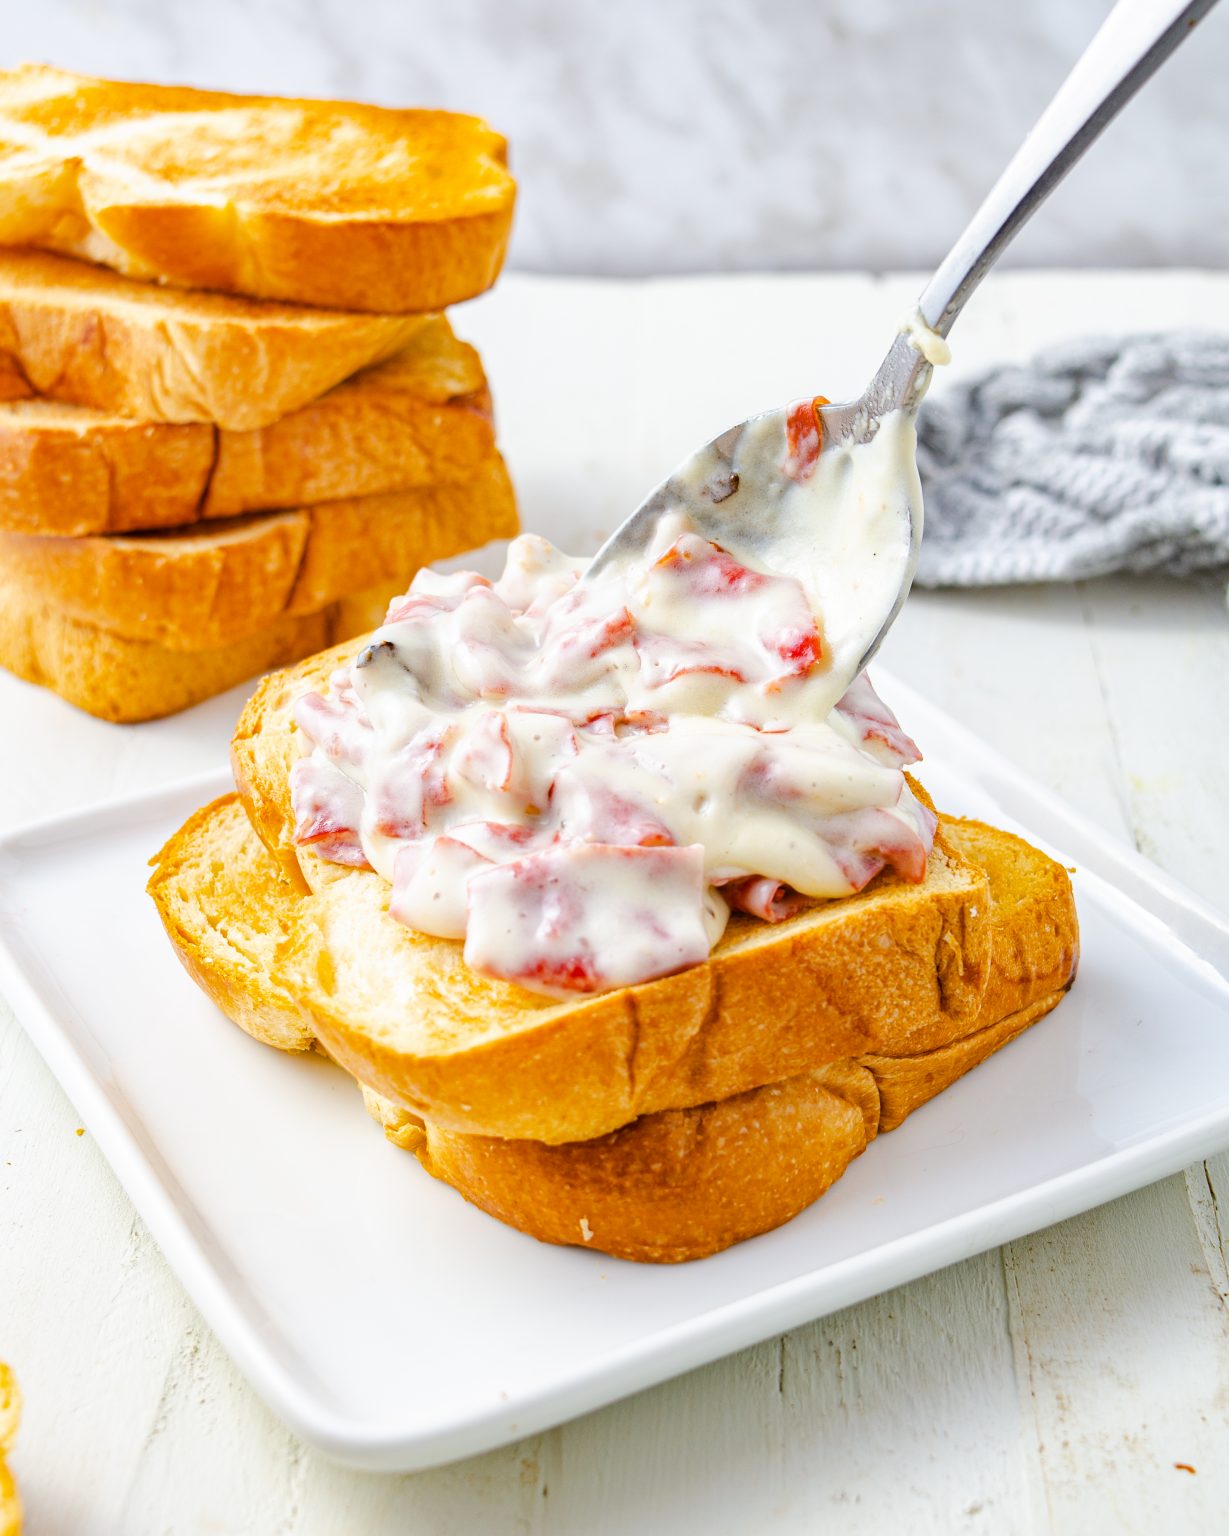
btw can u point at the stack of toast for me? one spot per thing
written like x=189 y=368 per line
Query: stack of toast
x=233 y=421
x=658 y=1122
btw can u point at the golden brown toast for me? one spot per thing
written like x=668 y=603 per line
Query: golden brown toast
x=126 y=681
x=319 y=202
x=227 y=907
x=421 y=418
x=897 y=967
x=222 y=581
x=684 y=1183
x=405 y=1014
x=82 y=334
x=677 y=1183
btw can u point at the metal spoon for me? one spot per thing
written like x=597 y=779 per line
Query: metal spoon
x=737 y=490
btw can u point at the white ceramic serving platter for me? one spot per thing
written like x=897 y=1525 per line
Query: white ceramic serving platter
x=397 y=1327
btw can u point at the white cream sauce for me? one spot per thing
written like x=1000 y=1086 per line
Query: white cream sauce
x=926 y=340
x=581 y=778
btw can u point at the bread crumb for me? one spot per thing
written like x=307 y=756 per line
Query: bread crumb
x=81 y=1130
x=586 y=1231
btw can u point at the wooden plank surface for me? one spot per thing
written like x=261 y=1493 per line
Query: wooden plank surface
x=1065 y=1382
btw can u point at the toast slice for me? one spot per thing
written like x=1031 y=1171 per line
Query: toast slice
x=672 y=1185
x=421 y=418
x=897 y=964
x=126 y=681
x=222 y=581
x=319 y=202
x=685 y=1183
x=405 y=1015
x=226 y=907
x=896 y=967
x=82 y=334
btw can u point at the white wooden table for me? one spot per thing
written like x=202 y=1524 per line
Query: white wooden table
x=1075 y=1381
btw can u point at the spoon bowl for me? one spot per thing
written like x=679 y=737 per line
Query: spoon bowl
x=829 y=493
x=802 y=489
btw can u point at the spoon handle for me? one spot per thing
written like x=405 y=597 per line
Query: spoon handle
x=1136 y=38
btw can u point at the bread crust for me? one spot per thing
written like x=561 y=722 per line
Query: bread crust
x=677 y=1185
x=485 y=1057
x=264 y=748
x=224 y=908
x=684 y=1184
x=126 y=681
x=79 y=333
x=422 y=418
x=672 y=1185
x=319 y=202
x=1037 y=939
x=895 y=966
x=223 y=581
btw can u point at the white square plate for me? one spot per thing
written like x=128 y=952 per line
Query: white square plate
x=395 y=1326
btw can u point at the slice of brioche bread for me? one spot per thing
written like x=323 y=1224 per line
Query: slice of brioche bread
x=897 y=963
x=227 y=907
x=424 y=417
x=421 y=418
x=672 y=1186
x=79 y=333
x=222 y=581
x=126 y=681
x=684 y=1183
x=898 y=967
x=320 y=202
x=676 y=1184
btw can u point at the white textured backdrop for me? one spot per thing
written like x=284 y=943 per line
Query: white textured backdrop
x=679 y=135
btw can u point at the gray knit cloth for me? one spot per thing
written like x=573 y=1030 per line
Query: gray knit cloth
x=1102 y=455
